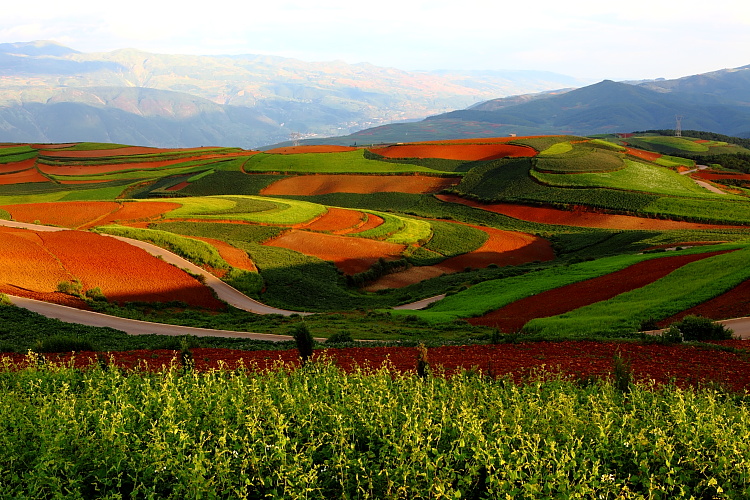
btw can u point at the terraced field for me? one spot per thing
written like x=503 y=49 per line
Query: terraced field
x=335 y=228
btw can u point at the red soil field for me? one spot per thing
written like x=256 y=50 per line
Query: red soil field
x=338 y=221
x=17 y=166
x=512 y=317
x=577 y=360
x=482 y=140
x=350 y=255
x=235 y=257
x=580 y=217
x=24 y=262
x=84 y=214
x=372 y=222
x=117 y=167
x=123 y=272
x=126 y=151
x=307 y=185
x=503 y=248
x=719 y=176
x=466 y=152
x=291 y=150
x=643 y=155
x=70 y=214
x=734 y=303
x=30 y=175
x=52 y=146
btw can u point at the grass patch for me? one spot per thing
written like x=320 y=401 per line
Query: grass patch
x=349 y=162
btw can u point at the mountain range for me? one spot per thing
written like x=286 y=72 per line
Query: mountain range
x=52 y=93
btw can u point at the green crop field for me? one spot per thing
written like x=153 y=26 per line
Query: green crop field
x=353 y=162
x=247 y=208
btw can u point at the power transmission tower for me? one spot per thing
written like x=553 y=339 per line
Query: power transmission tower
x=295 y=137
x=678 y=127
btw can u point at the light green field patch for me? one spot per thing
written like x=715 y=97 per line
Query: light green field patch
x=635 y=176
x=557 y=149
x=413 y=231
x=247 y=208
x=351 y=162
x=676 y=142
x=95 y=194
x=4 y=214
x=32 y=198
x=607 y=144
x=674 y=161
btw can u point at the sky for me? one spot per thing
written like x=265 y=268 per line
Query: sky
x=634 y=39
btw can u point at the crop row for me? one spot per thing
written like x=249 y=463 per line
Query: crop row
x=689 y=285
x=581 y=158
x=249 y=208
x=320 y=433
x=450 y=239
x=490 y=295
x=221 y=231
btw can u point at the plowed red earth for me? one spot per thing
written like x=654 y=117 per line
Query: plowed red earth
x=567 y=298
x=338 y=221
x=106 y=153
x=580 y=217
x=502 y=248
x=683 y=365
x=83 y=214
x=732 y=304
x=466 y=152
x=719 y=176
x=30 y=175
x=17 y=166
x=307 y=185
x=483 y=140
x=292 y=150
x=234 y=256
x=350 y=255
x=117 y=167
x=38 y=261
x=372 y=222
x=643 y=155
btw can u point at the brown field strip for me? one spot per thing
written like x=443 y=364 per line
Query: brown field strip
x=17 y=166
x=465 y=152
x=235 y=257
x=337 y=221
x=512 y=317
x=126 y=151
x=307 y=185
x=24 y=262
x=643 y=155
x=84 y=214
x=30 y=175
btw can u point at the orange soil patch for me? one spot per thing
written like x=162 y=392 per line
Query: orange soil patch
x=30 y=175
x=307 y=185
x=350 y=255
x=643 y=155
x=338 y=221
x=466 y=152
x=732 y=304
x=142 y=211
x=235 y=257
x=24 y=262
x=80 y=214
x=503 y=248
x=292 y=150
x=179 y=186
x=123 y=272
x=64 y=214
x=482 y=140
x=567 y=298
x=581 y=217
x=17 y=166
x=52 y=146
x=372 y=222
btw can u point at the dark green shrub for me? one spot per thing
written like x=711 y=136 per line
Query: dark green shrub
x=622 y=373
x=96 y=294
x=304 y=340
x=700 y=328
x=340 y=337
x=74 y=287
x=62 y=343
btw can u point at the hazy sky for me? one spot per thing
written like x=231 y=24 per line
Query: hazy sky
x=591 y=39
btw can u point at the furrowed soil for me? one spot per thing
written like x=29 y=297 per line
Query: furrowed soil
x=567 y=298
x=308 y=185
x=338 y=221
x=30 y=175
x=734 y=303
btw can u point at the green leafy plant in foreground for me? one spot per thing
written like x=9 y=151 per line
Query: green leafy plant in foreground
x=321 y=433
